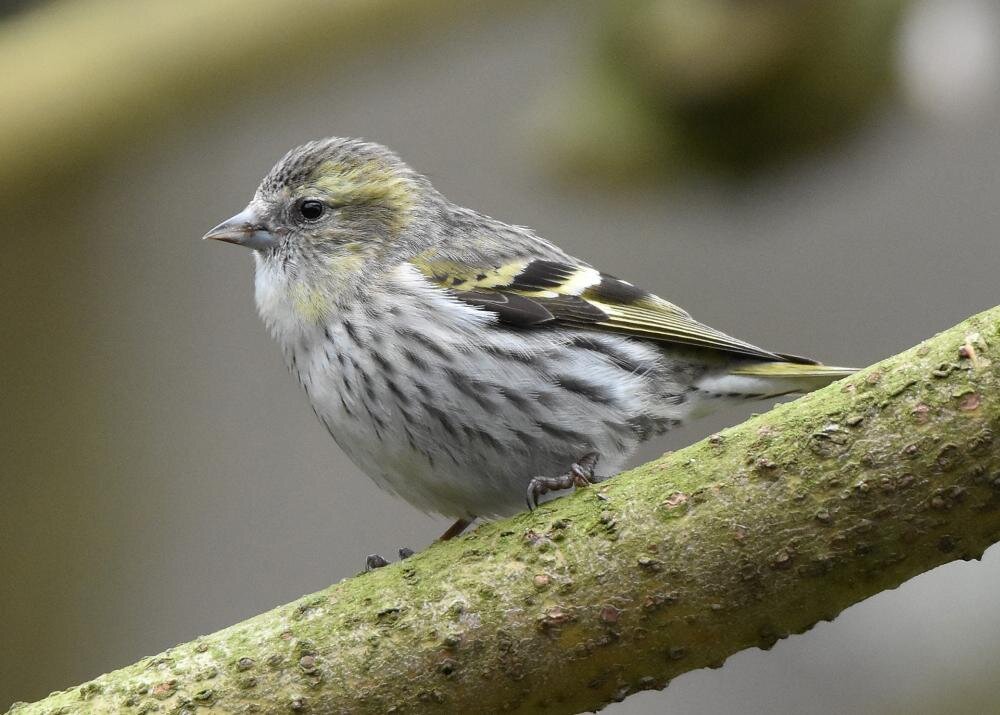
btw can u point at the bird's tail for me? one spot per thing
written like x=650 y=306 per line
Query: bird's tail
x=771 y=379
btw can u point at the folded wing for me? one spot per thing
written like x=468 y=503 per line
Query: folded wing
x=529 y=293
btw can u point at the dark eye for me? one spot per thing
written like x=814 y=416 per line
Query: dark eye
x=311 y=209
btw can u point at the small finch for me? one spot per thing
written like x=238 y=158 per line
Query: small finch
x=454 y=357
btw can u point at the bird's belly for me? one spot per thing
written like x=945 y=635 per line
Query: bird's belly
x=452 y=473
x=461 y=432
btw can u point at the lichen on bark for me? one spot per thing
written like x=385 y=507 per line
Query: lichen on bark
x=755 y=533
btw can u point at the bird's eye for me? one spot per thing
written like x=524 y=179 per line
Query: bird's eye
x=311 y=209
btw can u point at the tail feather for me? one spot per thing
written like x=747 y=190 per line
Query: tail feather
x=786 y=377
x=763 y=380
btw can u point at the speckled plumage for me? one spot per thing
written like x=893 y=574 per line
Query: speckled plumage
x=454 y=357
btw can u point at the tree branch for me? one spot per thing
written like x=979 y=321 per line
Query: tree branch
x=737 y=541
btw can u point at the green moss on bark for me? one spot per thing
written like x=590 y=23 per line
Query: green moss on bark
x=755 y=533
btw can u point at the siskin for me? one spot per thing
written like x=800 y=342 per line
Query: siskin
x=453 y=356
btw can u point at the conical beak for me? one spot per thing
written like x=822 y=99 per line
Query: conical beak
x=244 y=229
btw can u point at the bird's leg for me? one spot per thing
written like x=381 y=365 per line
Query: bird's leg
x=581 y=474
x=455 y=529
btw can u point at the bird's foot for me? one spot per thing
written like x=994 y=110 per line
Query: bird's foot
x=374 y=561
x=581 y=474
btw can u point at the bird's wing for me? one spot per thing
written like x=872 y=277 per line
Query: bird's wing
x=533 y=292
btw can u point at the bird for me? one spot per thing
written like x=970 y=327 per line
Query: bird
x=467 y=365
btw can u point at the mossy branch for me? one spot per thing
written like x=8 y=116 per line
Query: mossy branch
x=737 y=541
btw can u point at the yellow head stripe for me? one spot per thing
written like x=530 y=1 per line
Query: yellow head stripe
x=366 y=181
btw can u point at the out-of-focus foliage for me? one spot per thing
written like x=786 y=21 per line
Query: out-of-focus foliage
x=723 y=85
x=106 y=72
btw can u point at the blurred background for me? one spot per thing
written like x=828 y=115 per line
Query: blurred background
x=819 y=178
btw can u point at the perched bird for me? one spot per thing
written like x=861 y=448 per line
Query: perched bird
x=454 y=357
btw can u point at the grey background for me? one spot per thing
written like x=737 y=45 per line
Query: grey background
x=166 y=478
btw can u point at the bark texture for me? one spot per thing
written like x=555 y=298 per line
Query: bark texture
x=739 y=540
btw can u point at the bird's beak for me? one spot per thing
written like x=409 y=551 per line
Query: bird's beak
x=244 y=229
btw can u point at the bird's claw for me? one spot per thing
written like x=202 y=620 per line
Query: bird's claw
x=581 y=474
x=375 y=561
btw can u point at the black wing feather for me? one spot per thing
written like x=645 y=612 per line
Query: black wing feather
x=540 y=292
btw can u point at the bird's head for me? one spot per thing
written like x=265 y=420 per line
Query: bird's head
x=333 y=208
